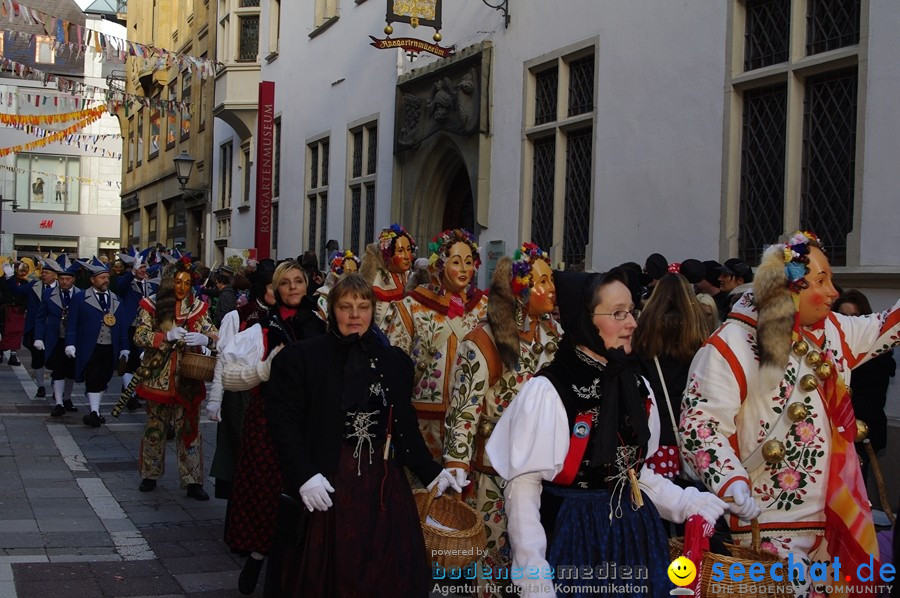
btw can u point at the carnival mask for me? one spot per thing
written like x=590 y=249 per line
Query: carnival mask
x=183 y=285
x=542 y=298
x=401 y=260
x=459 y=268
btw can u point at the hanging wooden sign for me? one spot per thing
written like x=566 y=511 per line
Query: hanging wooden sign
x=412 y=45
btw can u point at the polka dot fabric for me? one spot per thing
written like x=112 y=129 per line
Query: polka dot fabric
x=665 y=461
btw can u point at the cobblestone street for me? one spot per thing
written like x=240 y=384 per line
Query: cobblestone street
x=72 y=521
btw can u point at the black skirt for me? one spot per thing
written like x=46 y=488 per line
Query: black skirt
x=368 y=544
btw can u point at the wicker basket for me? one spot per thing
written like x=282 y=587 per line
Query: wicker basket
x=739 y=554
x=450 y=549
x=198 y=366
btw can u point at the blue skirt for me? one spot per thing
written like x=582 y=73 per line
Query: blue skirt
x=591 y=554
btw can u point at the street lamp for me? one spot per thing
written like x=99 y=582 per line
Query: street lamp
x=15 y=207
x=184 y=164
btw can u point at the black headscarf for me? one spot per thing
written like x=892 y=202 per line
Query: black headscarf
x=622 y=395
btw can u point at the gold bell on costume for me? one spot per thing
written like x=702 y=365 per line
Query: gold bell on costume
x=824 y=370
x=773 y=451
x=814 y=358
x=797 y=412
x=862 y=430
x=801 y=348
x=809 y=383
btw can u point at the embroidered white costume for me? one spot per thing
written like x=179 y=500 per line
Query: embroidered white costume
x=726 y=420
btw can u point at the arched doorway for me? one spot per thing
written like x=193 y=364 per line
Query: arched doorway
x=443 y=192
x=459 y=209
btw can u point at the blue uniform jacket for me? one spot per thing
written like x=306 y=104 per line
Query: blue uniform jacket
x=83 y=328
x=34 y=291
x=130 y=291
x=46 y=327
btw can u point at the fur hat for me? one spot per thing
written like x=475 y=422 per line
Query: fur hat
x=372 y=262
x=502 y=310
x=776 y=287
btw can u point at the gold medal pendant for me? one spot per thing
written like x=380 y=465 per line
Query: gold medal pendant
x=109 y=320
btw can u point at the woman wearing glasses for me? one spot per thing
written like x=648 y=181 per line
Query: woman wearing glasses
x=572 y=445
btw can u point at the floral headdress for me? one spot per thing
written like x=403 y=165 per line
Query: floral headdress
x=796 y=258
x=388 y=239
x=524 y=259
x=440 y=246
x=338 y=259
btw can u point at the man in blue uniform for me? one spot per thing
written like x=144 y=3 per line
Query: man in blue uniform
x=34 y=291
x=96 y=336
x=50 y=332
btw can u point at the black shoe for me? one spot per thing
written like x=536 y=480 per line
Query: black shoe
x=249 y=575
x=92 y=419
x=13 y=360
x=133 y=403
x=147 y=485
x=58 y=411
x=197 y=492
x=41 y=393
x=69 y=406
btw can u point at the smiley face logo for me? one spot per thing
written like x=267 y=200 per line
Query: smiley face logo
x=682 y=571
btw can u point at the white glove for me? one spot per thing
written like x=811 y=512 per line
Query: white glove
x=744 y=505
x=315 y=493
x=8 y=270
x=196 y=339
x=205 y=351
x=70 y=351
x=446 y=479
x=124 y=353
x=176 y=334
x=461 y=476
x=39 y=345
x=707 y=505
x=214 y=410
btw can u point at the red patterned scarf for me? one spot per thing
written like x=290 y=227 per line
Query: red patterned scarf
x=849 y=530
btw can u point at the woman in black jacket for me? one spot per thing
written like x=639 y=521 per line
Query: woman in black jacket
x=341 y=419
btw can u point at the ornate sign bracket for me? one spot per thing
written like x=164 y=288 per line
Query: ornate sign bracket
x=502 y=6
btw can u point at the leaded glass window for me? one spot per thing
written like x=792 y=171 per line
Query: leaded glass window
x=314 y=165
x=578 y=196
x=767 y=34
x=831 y=24
x=373 y=150
x=829 y=159
x=542 y=192
x=357 y=153
x=761 y=218
x=581 y=85
x=311 y=221
x=248 y=43
x=370 y=213
x=323 y=226
x=355 y=197
x=545 y=96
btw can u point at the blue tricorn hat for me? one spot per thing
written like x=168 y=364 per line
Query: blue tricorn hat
x=59 y=265
x=96 y=267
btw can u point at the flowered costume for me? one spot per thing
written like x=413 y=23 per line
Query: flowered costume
x=428 y=325
x=169 y=394
x=388 y=287
x=725 y=419
x=482 y=390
